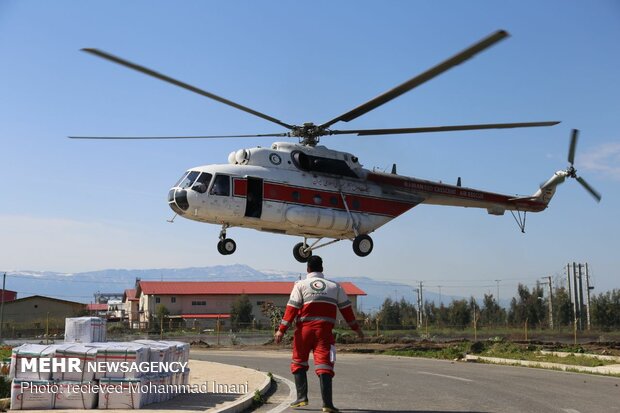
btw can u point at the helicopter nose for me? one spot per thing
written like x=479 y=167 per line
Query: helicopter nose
x=177 y=199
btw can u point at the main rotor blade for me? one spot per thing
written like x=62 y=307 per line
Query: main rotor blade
x=365 y=132
x=420 y=79
x=588 y=188
x=179 y=137
x=573 y=146
x=184 y=85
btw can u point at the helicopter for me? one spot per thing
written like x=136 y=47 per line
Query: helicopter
x=323 y=195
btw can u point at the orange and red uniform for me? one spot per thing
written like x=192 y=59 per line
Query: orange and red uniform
x=314 y=302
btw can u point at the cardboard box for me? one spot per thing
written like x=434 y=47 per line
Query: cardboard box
x=31 y=395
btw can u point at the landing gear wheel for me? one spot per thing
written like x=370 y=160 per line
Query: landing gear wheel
x=362 y=245
x=220 y=248
x=299 y=253
x=226 y=246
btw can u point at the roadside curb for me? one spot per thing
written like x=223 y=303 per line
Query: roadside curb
x=244 y=402
x=613 y=369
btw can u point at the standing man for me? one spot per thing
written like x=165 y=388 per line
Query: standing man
x=314 y=302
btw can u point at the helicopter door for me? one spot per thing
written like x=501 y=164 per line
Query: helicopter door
x=254 y=198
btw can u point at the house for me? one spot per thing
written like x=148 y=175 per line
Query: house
x=36 y=311
x=7 y=295
x=130 y=302
x=97 y=309
x=202 y=303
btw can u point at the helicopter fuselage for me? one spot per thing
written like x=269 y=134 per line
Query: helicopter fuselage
x=315 y=192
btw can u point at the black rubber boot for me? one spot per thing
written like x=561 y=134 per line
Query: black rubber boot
x=326 y=393
x=301 y=384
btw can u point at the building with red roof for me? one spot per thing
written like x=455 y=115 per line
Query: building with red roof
x=7 y=295
x=203 y=303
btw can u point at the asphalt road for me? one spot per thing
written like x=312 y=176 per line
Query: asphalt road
x=373 y=383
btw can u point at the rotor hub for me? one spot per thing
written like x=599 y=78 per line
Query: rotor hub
x=309 y=133
x=571 y=172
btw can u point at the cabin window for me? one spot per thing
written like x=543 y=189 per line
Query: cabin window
x=189 y=179
x=317 y=199
x=221 y=185
x=333 y=200
x=356 y=204
x=296 y=195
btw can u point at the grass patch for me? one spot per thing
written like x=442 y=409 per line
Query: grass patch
x=498 y=349
x=532 y=353
x=5 y=352
x=450 y=352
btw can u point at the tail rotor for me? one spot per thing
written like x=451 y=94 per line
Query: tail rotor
x=571 y=172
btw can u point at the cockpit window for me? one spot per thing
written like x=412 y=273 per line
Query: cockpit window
x=189 y=179
x=181 y=179
x=202 y=182
x=221 y=185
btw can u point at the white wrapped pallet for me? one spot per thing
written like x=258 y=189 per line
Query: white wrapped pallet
x=121 y=353
x=85 y=330
x=182 y=350
x=31 y=395
x=122 y=393
x=159 y=351
x=85 y=354
x=30 y=353
x=76 y=395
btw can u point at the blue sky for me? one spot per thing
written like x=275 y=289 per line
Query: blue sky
x=77 y=206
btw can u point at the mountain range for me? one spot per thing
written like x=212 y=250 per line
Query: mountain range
x=82 y=286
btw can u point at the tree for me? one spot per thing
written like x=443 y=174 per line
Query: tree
x=273 y=313
x=531 y=306
x=491 y=313
x=459 y=313
x=397 y=314
x=606 y=310
x=241 y=311
x=161 y=312
x=562 y=307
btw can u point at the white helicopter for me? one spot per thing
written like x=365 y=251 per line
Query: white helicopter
x=307 y=190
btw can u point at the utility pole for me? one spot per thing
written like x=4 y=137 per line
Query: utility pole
x=440 y=295
x=581 y=305
x=2 y=306
x=570 y=293
x=421 y=304
x=588 y=288
x=420 y=309
x=550 y=303
x=576 y=297
x=497 y=296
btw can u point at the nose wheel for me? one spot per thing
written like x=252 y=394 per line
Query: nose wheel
x=226 y=246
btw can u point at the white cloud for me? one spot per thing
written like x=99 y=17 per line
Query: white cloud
x=604 y=158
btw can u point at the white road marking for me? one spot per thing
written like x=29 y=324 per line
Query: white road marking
x=571 y=411
x=291 y=396
x=444 y=375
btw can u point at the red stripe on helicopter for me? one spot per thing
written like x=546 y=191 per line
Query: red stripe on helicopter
x=325 y=199
x=413 y=186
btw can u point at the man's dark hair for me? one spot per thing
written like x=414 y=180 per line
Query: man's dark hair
x=315 y=264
